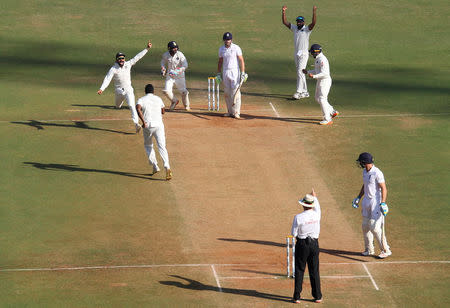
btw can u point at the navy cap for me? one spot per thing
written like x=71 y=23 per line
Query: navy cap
x=227 y=36
x=365 y=158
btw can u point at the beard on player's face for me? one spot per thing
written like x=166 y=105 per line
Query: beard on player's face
x=227 y=43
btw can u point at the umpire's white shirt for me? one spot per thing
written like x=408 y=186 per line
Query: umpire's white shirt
x=372 y=193
x=122 y=75
x=301 y=39
x=229 y=55
x=307 y=223
x=151 y=109
x=178 y=60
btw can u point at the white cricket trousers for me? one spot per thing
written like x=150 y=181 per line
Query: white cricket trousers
x=371 y=228
x=160 y=137
x=323 y=87
x=230 y=84
x=128 y=95
x=180 y=83
x=301 y=60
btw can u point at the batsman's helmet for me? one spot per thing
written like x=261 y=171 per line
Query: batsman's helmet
x=119 y=54
x=300 y=18
x=315 y=48
x=365 y=158
x=172 y=45
x=227 y=36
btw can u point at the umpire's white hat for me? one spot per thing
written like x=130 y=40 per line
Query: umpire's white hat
x=307 y=201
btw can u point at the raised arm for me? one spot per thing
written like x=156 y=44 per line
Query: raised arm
x=314 y=18
x=141 y=54
x=283 y=17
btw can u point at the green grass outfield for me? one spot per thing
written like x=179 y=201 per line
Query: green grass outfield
x=387 y=59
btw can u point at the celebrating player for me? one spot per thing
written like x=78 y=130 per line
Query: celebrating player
x=374 y=207
x=230 y=58
x=121 y=72
x=321 y=72
x=173 y=65
x=301 y=44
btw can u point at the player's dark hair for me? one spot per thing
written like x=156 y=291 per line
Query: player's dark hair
x=149 y=88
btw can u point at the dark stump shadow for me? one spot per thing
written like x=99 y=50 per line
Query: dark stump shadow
x=191 y=284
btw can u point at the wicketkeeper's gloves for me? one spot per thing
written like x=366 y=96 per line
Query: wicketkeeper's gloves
x=384 y=208
x=355 y=202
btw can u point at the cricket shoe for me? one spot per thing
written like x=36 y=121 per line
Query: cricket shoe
x=304 y=95
x=334 y=114
x=296 y=301
x=237 y=116
x=326 y=122
x=174 y=104
x=155 y=169
x=318 y=301
x=169 y=174
x=138 y=127
x=188 y=108
x=297 y=95
x=384 y=254
x=367 y=253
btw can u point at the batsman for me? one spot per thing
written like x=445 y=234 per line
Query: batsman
x=374 y=207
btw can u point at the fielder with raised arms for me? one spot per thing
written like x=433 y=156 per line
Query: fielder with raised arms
x=230 y=59
x=374 y=207
x=121 y=72
x=173 y=66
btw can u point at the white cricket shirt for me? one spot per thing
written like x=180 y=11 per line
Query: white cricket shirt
x=321 y=67
x=301 y=39
x=229 y=55
x=151 y=109
x=122 y=75
x=372 y=192
x=307 y=223
x=172 y=63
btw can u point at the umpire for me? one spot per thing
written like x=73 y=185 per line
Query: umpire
x=306 y=230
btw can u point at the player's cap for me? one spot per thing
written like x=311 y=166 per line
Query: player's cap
x=227 y=36
x=307 y=201
x=300 y=18
x=172 y=45
x=365 y=158
x=119 y=54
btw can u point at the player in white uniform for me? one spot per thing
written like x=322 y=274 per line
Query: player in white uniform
x=301 y=44
x=150 y=109
x=230 y=59
x=306 y=230
x=321 y=72
x=173 y=66
x=374 y=207
x=121 y=72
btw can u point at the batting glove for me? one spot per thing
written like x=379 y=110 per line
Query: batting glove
x=244 y=77
x=355 y=202
x=219 y=78
x=173 y=73
x=163 y=71
x=384 y=208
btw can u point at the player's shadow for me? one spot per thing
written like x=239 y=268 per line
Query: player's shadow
x=258 y=242
x=191 y=284
x=76 y=168
x=343 y=254
x=39 y=125
x=111 y=107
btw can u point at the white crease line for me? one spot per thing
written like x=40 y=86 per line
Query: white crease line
x=273 y=107
x=283 y=277
x=370 y=276
x=217 y=278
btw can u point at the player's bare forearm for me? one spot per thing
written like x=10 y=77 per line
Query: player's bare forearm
x=242 y=63
x=314 y=18
x=219 y=65
x=283 y=17
x=361 y=192
x=383 y=191
x=140 y=115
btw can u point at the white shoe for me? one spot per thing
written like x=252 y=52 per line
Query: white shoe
x=155 y=169
x=296 y=96
x=138 y=127
x=237 y=116
x=304 y=95
x=173 y=105
x=326 y=122
x=188 y=108
x=367 y=253
x=384 y=254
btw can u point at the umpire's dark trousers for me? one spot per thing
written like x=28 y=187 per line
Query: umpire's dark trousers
x=307 y=251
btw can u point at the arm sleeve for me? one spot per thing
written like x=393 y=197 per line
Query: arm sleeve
x=293 y=27
x=107 y=79
x=184 y=63
x=380 y=177
x=294 y=229
x=324 y=71
x=138 y=56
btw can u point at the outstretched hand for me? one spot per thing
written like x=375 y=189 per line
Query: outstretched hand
x=149 y=45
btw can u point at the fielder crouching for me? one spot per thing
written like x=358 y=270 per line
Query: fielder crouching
x=306 y=229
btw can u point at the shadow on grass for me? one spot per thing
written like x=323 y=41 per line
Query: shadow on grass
x=338 y=253
x=191 y=284
x=102 y=106
x=39 y=125
x=76 y=168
